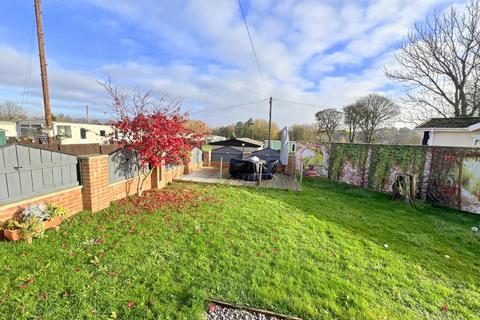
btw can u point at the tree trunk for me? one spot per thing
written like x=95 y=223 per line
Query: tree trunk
x=404 y=188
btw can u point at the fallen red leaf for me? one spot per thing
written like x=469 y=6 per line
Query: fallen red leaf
x=212 y=308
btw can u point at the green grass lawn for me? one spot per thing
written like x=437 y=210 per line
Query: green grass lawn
x=317 y=254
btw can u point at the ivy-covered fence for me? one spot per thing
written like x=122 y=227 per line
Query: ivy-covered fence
x=445 y=175
x=375 y=166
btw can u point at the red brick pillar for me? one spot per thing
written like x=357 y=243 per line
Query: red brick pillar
x=157 y=179
x=207 y=158
x=188 y=166
x=94 y=177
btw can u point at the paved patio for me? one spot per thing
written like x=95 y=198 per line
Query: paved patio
x=212 y=175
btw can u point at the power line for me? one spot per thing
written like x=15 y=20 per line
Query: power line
x=253 y=47
x=296 y=102
x=229 y=107
x=28 y=72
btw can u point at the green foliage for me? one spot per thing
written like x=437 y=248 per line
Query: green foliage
x=315 y=254
x=385 y=158
x=339 y=154
x=31 y=222
x=29 y=229
x=316 y=160
x=55 y=211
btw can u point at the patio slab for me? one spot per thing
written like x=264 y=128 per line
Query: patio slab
x=214 y=176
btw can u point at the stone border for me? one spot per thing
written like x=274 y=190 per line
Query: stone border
x=254 y=310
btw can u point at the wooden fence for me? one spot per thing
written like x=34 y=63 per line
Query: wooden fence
x=77 y=149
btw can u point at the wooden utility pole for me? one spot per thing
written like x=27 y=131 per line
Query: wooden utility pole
x=270 y=124
x=43 y=70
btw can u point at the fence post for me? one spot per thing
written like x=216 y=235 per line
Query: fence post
x=207 y=158
x=94 y=177
x=301 y=172
x=260 y=168
x=221 y=167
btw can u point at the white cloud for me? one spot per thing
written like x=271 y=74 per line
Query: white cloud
x=306 y=49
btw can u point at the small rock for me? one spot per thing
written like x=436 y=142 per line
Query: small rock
x=474 y=229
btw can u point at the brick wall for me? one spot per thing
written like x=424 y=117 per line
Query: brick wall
x=207 y=158
x=125 y=188
x=94 y=178
x=169 y=175
x=96 y=192
x=192 y=167
x=70 y=199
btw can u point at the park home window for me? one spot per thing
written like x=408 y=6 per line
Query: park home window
x=30 y=130
x=83 y=133
x=64 y=131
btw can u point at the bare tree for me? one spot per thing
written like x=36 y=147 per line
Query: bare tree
x=352 y=118
x=439 y=62
x=129 y=102
x=329 y=120
x=375 y=110
x=10 y=111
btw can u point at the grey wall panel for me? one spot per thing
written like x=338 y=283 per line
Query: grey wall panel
x=197 y=155
x=122 y=165
x=73 y=173
x=37 y=180
x=35 y=156
x=3 y=187
x=26 y=182
x=27 y=172
x=2 y=163
x=57 y=176
x=13 y=181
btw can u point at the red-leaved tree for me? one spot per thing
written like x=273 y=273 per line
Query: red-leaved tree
x=152 y=129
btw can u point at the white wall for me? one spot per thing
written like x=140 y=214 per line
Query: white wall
x=93 y=132
x=453 y=138
x=9 y=127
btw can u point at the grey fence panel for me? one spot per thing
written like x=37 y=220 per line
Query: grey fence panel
x=225 y=154
x=26 y=172
x=122 y=165
x=197 y=155
x=267 y=154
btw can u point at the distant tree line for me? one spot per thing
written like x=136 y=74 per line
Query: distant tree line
x=11 y=111
x=366 y=116
x=255 y=129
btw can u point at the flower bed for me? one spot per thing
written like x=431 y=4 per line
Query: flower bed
x=33 y=222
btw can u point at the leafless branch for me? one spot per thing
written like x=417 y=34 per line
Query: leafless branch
x=439 y=63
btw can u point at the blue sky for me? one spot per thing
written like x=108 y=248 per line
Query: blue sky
x=323 y=53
